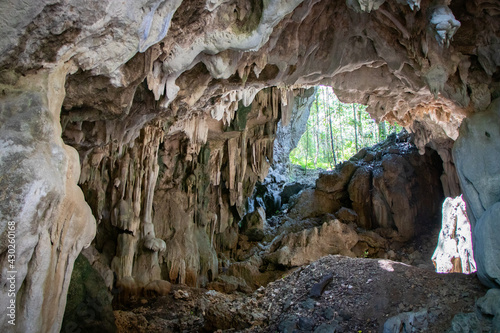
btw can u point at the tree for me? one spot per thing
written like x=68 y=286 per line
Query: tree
x=382 y=132
x=329 y=115
x=339 y=131
x=307 y=146
x=316 y=130
x=355 y=125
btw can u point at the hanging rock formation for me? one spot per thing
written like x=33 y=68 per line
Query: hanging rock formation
x=158 y=98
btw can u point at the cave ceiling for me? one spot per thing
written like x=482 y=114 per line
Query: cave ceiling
x=408 y=61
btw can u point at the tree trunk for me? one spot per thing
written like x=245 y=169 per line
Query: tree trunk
x=341 y=130
x=360 y=128
x=316 y=129
x=355 y=126
x=382 y=132
x=307 y=146
x=331 y=136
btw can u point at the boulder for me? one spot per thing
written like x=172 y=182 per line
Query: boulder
x=312 y=203
x=252 y=225
x=165 y=102
x=490 y=303
x=158 y=288
x=337 y=180
x=306 y=246
x=394 y=183
x=408 y=322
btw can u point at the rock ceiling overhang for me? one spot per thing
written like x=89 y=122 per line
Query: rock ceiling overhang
x=415 y=60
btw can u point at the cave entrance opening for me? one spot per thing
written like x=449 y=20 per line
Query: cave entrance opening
x=389 y=190
x=336 y=131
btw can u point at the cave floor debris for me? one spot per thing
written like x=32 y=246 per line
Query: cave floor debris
x=362 y=295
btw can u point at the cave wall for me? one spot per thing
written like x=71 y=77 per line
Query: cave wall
x=166 y=203
x=41 y=205
x=145 y=91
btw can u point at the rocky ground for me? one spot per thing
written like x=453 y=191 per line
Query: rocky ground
x=300 y=175
x=333 y=294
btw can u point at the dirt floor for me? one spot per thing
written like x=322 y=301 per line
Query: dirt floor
x=358 y=295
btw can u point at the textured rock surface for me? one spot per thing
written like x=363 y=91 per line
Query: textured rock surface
x=480 y=141
x=486 y=247
x=268 y=193
x=481 y=183
x=290 y=131
x=154 y=95
x=389 y=185
x=196 y=190
x=454 y=252
x=408 y=322
x=304 y=247
x=88 y=307
x=39 y=194
x=486 y=318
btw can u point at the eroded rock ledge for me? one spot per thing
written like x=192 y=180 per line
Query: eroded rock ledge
x=158 y=99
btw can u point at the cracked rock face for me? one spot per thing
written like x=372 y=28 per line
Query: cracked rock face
x=170 y=107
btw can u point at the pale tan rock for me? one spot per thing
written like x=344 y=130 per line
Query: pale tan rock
x=158 y=288
x=53 y=222
x=304 y=247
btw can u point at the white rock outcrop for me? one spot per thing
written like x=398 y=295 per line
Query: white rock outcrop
x=454 y=252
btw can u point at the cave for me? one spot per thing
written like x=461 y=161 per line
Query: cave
x=133 y=133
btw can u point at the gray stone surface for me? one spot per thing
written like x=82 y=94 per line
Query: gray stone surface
x=485 y=319
x=288 y=135
x=477 y=154
x=487 y=247
x=408 y=322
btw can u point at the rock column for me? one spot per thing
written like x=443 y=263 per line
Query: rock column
x=50 y=222
x=477 y=156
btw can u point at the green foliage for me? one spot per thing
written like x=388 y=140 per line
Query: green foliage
x=315 y=147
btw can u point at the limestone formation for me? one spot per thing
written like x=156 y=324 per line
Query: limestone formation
x=485 y=318
x=486 y=249
x=481 y=184
x=172 y=107
x=478 y=141
x=252 y=225
x=389 y=185
x=454 y=253
x=306 y=246
x=88 y=306
x=41 y=199
x=290 y=130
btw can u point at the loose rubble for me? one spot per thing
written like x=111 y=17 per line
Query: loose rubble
x=333 y=294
